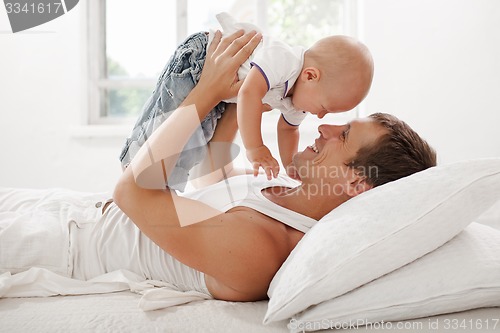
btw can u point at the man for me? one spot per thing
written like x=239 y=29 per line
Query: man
x=240 y=249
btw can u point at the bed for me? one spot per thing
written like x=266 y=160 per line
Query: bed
x=118 y=312
x=400 y=290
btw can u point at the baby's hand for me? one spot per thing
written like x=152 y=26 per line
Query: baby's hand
x=261 y=157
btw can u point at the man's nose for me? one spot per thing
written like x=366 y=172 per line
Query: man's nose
x=328 y=131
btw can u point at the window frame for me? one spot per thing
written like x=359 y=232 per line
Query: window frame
x=96 y=32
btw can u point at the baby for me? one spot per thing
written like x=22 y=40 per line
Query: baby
x=334 y=75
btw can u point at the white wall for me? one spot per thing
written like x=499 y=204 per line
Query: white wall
x=42 y=98
x=437 y=68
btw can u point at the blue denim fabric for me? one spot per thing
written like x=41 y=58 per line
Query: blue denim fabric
x=177 y=79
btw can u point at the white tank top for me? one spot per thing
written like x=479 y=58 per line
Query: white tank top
x=246 y=191
x=114 y=242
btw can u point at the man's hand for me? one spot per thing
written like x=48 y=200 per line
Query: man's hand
x=224 y=58
x=261 y=157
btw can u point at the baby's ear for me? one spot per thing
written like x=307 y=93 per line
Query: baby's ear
x=310 y=74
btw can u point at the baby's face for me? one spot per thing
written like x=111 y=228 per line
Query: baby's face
x=318 y=100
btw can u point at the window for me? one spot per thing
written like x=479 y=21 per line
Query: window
x=130 y=41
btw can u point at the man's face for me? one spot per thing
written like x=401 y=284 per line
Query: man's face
x=336 y=146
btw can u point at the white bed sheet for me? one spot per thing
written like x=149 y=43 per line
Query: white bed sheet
x=119 y=312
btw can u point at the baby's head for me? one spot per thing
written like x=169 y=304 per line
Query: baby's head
x=336 y=76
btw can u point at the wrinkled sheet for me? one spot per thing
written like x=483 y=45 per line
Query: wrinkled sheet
x=40 y=282
x=36 y=228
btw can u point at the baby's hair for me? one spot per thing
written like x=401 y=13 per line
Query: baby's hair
x=344 y=64
x=337 y=56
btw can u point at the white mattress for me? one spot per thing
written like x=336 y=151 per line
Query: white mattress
x=118 y=312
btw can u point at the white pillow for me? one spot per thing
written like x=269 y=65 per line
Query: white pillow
x=491 y=217
x=380 y=231
x=463 y=274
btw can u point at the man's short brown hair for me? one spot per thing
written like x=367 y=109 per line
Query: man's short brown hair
x=398 y=153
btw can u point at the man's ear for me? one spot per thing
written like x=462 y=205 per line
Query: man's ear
x=357 y=185
x=310 y=74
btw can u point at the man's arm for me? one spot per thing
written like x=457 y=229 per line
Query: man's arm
x=194 y=233
x=218 y=162
x=155 y=160
x=222 y=245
